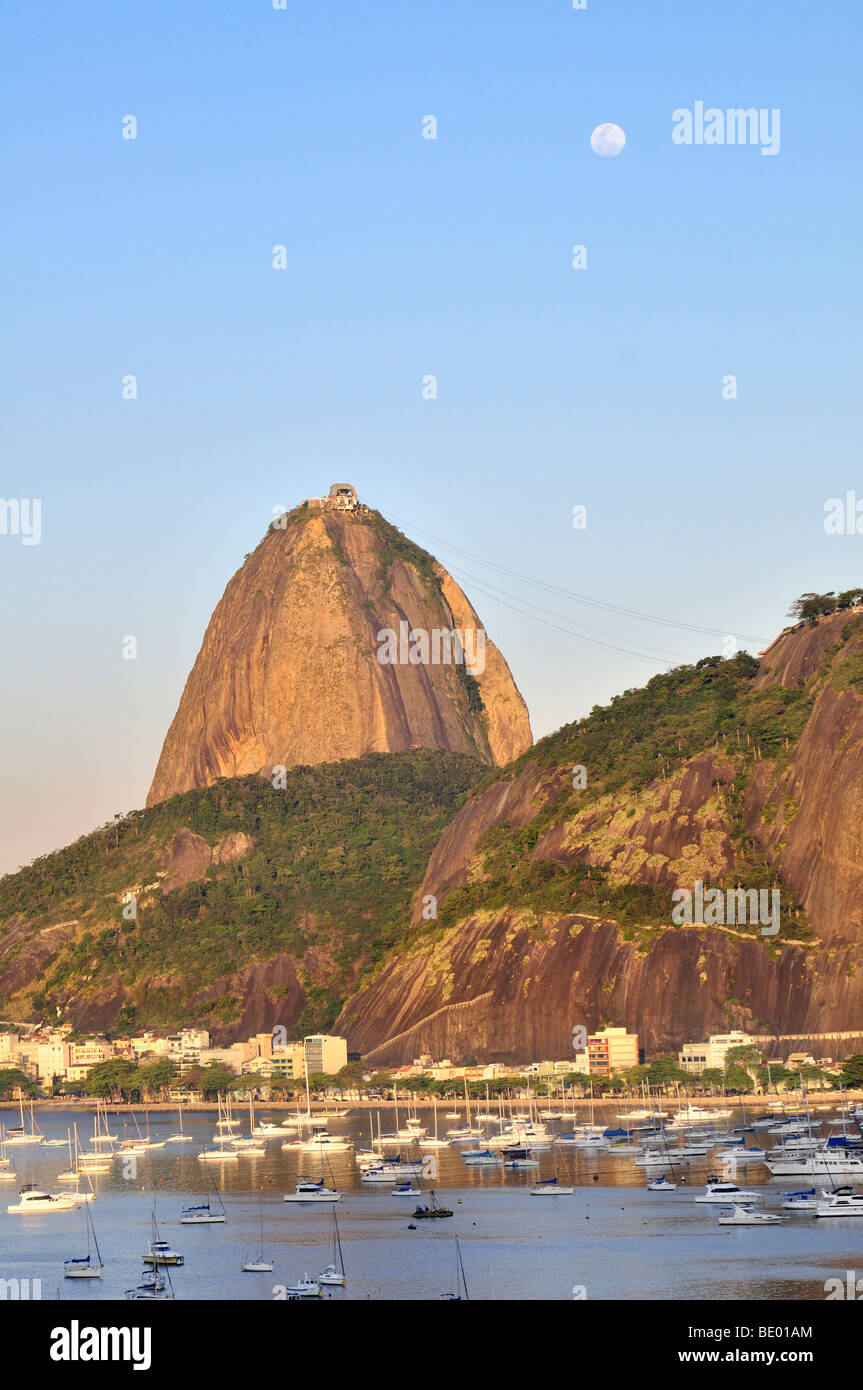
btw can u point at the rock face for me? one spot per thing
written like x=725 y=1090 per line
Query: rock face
x=510 y=982
x=289 y=671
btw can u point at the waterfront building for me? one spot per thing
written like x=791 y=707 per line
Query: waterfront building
x=611 y=1050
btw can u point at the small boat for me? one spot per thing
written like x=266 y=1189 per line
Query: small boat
x=662 y=1185
x=800 y=1201
x=20 y=1134
x=182 y=1137
x=308 y=1192
x=33 y=1201
x=433 y=1143
x=86 y=1266
x=406 y=1189
x=845 y=1201
x=434 y=1209
x=220 y=1155
x=743 y=1215
x=334 y=1274
x=152 y=1286
x=304 y=1288
x=550 y=1187
x=461 y=1281
x=203 y=1214
x=259 y=1264
x=724 y=1192
x=159 y=1252
x=479 y=1156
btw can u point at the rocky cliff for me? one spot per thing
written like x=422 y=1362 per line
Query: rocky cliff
x=289 y=671
x=554 y=901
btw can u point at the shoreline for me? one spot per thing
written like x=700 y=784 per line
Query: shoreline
x=828 y=1099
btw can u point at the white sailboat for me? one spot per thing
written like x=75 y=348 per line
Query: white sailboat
x=20 y=1134
x=203 y=1214
x=436 y=1143
x=551 y=1187
x=259 y=1264
x=334 y=1274
x=86 y=1266
x=182 y=1137
x=7 y=1172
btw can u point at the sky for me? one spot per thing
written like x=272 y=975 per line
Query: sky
x=405 y=257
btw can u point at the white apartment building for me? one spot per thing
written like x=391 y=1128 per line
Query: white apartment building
x=698 y=1057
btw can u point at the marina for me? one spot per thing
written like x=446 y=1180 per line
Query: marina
x=203 y=1240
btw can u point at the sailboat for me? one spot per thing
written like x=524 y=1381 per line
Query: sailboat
x=20 y=1134
x=550 y=1187
x=259 y=1265
x=203 y=1214
x=182 y=1137
x=152 y=1286
x=425 y=1142
x=7 y=1173
x=334 y=1274
x=85 y=1266
x=97 y=1161
x=461 y=1281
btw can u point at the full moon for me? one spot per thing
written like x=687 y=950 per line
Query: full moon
x=608 y=139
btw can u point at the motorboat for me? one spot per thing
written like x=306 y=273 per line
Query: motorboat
x=308 y=1193
x=159 y=1252
x=322 y=1142
x=815 y=1164
x=305 y=1288
x=738 y=1153
x=845 y=1201
x=718 y=1191
x=33 y=1201
x=697 y=1114
x=743 y=1215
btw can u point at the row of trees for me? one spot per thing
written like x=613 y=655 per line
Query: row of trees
x=121 y=1080
x=810 y=607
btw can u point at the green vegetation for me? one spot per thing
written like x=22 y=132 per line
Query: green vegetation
x=335 y=859
x=12 y=1081
x=809 y=608
x=397 y=546
x=641 y=737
